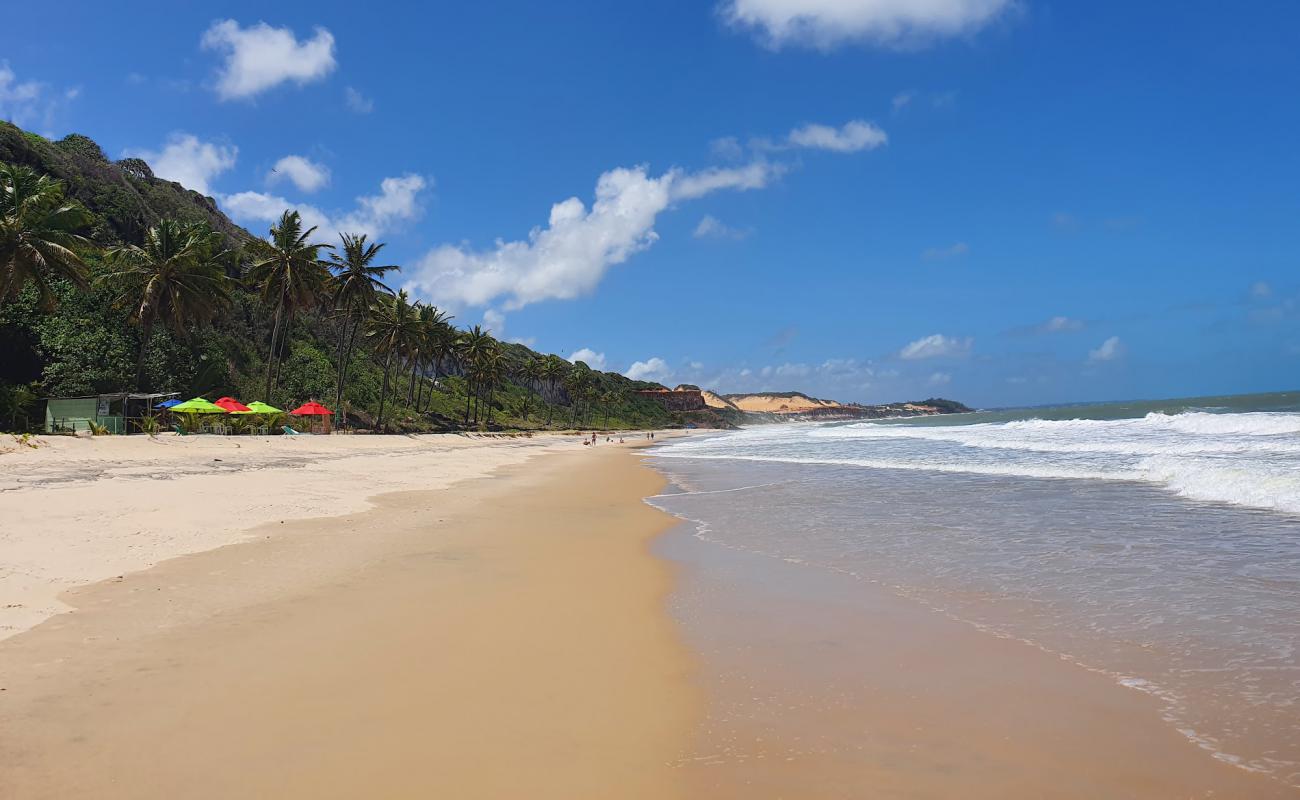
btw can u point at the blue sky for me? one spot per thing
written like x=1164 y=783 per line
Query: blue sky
x=1003 y=201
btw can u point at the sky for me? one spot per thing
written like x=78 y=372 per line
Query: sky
x=1005 y=202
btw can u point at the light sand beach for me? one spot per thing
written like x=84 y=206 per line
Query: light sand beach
x=506 y=639
x=502 y=627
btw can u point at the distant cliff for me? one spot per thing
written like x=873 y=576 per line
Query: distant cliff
x=762 y=407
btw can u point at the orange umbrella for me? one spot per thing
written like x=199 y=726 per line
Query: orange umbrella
x=312 y=409
x=231 y=404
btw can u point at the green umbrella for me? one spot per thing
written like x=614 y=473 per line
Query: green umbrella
x=198 y=406
x=258 y=407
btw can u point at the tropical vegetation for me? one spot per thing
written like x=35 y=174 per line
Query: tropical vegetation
x=112 y=279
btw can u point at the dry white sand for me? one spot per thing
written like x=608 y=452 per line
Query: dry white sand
x=79 y=510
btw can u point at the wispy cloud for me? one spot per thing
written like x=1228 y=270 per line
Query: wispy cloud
x=955 y=250
x=710 y=227
x=29 y=103
x=936 y=346
x=826 y=24
x=1110 y=350
x=357 y=102
x=851 y=137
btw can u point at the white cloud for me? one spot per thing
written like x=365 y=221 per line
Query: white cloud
x=1060 y=325
x=569 y=257
x=589 y=357
x=189 y=161
x=851 y=137
x=652 y=369
x=728 y=147
x=711 y=227
x=690 y=185
x=940 y=253
x=495 y=322
x=304 y=173
x=902 y=100
x=786 y=370
x=397 y=202
x=28 y=104
x=358 y=102
x=939 y=379
x=935 y=346
x=1261 y=290
x=1110 y=350
x=890 y=23
x=260 y=57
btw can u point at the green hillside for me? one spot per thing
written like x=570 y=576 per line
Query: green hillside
x=85 y=340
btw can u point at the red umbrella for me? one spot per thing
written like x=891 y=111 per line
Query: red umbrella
x=312 y=409
x=231 y=404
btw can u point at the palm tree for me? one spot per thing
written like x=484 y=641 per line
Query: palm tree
x=291 y=276
x=177 y=277
x=577 y=381
x=434 y=325
x=608 y=399
x=392 y=325
x=532 y=372
x=430 y=320
x=440 y=346
x=492 y=370
x=554 y=370
x=471 y=348
x=38 y=231
x=358 y=281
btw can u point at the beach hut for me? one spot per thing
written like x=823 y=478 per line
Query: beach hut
x=118 y=412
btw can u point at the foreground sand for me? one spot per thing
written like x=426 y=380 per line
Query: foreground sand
x=505 y=639
x=79 y=510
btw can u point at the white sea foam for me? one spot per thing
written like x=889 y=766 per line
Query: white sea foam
x=1249 y=459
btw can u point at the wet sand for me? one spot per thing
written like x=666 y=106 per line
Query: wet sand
x=823 y=686
x=504 y=638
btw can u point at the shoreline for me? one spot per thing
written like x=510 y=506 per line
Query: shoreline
x=417 y=647
x=821 y=681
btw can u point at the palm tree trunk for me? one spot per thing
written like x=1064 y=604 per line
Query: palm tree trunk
x=342 y=348
x=270 y=356
x=146 y=333
x=383 y=392
x=469 y=392
x=415 y=367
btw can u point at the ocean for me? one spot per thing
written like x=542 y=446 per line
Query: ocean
x=1155 y=542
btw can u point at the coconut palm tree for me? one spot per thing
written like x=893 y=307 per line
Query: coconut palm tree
x=291 y=276
x=392 y=326
x=471 y=349
x=578 y=382
x=441 y=346
x=176 y=277
x=38 y=231
x=531 y=372
x=433 y=344
x=492 y=371
x=554 y=370
x=358 y=281
x=430 y=320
